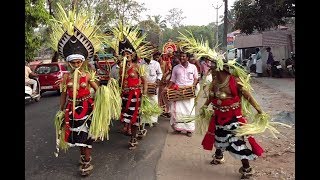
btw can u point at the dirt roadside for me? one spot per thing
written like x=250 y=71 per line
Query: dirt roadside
x=184 y=158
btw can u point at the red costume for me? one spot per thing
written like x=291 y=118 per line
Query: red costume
x=227 y=115
x=131 y=96
x=83 y=107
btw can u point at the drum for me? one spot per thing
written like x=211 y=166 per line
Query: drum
x=182 y=93
x=152 y=88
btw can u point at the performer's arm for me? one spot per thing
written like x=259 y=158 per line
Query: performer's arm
x=246 y=94
x=195 y=76
x=92 y=82
x=172 y=79
x=170 y=84
x=159 y=73
x=209 y=99
x=145 y=85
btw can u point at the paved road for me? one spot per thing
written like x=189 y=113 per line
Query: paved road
x=111 y=159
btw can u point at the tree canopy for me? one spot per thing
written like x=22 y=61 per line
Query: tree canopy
x=175 y=17
x=260 y=15
x=35 y=16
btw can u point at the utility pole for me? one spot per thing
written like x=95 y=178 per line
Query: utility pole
x=217 y=19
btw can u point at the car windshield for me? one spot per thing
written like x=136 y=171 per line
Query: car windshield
x=47 y=69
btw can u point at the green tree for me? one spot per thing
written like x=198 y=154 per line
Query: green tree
x=127 y=10
x=199 y=32
x=152 y=29
x=158 y=31
x=175 y=17
x=260 y=15
x=162 y=23
x=35 y=16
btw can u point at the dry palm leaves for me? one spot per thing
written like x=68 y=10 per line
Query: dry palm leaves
x=148 y=109
x=60 y=132
x=260 y=123
x=82 y=19
x=107 y=107
x=133 y=34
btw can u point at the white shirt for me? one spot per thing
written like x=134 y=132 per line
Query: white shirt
x=27 y=72
x=184 y=76
x=153 y=71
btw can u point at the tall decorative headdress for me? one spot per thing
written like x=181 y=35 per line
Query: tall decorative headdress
x=125 y=45
x=200 y=48
x=75 y=35
x=129 y=38
x=169 y=47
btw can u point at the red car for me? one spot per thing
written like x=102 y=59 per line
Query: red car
x=50 y=75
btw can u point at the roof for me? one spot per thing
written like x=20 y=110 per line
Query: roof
x=234 y=33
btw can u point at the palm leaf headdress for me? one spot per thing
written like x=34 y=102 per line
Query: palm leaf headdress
x=134 y=37
x=75 y=33
x=82 y=25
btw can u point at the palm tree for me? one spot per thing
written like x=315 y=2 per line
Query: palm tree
x=162 y=25
x=157 y=19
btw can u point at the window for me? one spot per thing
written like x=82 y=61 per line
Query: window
x=47 y=69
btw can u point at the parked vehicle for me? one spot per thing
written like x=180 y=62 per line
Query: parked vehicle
x=50 y=75
x=28 y=96
x=277 y=70
x=290 y=65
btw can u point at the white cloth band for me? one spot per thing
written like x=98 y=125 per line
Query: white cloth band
x=75 y=56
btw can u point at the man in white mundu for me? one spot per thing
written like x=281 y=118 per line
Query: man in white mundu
x=183 y=74
x=153 y=75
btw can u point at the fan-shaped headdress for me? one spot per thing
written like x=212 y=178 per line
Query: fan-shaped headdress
x=129 y=38
x=75 y=35
x=125 y=45
x=169 y=47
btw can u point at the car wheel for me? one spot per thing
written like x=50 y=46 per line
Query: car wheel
x=58 y=92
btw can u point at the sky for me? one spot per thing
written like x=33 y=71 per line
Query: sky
x=197 y=12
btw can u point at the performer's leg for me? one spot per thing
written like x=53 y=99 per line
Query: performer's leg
x=82 y=155
x=86 y=167
x=246 y=170
x=142 y=131
x=218 y=157
x=133 y=141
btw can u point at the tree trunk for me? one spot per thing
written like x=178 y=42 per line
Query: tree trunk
x=225 y=24
x=74 y=4
x=50 y=7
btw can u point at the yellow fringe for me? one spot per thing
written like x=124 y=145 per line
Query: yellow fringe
x=107 y=107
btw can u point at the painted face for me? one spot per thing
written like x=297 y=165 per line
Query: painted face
x=76 y=63
x=183 y=58
x=128 y=55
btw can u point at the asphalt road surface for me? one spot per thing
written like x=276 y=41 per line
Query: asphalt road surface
x=111 y=159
